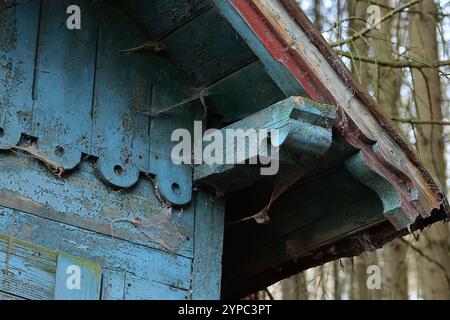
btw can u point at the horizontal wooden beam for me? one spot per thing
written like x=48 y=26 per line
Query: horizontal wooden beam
x=304 y=130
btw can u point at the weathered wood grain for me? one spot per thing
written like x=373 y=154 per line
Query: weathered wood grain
x=113 y=284
x=143 y=289
x=275 y=68
x=301 y=49
x=207 y=264
x=19 y=27
x=303 y=128
x=6 y=296
x=64 y=83
x=121 y=100
x=26 y=270
x=111 y=253
x=161 y=17
x=259 y=92
x=201 y=54
x=83 y=201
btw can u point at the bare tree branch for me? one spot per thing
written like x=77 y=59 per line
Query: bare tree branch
x=423 y=122
x=363 y=32
x=394 y=63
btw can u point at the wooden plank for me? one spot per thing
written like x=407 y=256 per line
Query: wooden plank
x=391 y=199
x=121 y=102
x=201 y=54
x=19 y=25
x=161 y=17
x=113 y=284
x=301 y=206
x=27 y=270
x=276 y=69
x=111 y=253
x=68 y=269
x=64 y=83
x=143 y=289
x=335 y=225
x=257 y=91
x=82 y=200
x=131 y=88
x=303 y=127
x=207 y=264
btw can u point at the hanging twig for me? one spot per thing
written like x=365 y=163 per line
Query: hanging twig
x=269 y=294
x=262 y=216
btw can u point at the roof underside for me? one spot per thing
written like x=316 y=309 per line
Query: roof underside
x=251 y=55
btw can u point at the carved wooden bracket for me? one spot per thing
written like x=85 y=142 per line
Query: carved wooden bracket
x=304 y=130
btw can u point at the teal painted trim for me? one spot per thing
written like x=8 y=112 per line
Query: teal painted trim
x=390 y=197
x=305 y=129
x=207 y=264
x=279 y=73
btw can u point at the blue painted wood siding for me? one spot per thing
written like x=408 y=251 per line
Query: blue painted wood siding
x=88 y=106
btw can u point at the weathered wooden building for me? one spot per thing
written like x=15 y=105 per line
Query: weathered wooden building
x=87 y=183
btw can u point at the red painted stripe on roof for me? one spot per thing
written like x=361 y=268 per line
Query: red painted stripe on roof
x=281 y=51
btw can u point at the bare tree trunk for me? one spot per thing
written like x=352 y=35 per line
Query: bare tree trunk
x=338 y=283
x=387 y=93
x=294 y=288
x=357 y=13
x=430 y=147
x=317 y=14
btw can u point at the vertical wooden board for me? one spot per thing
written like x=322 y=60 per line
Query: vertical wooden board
x=173 y=181
x=175 y=104
x=26 y=270
x=113 y=284
x=208 y=56
x=142 y=289
x=68 y=269
x=64 y=83
x=208 y=244
x=122 y=100
x=19 y=28
x=111 y=253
